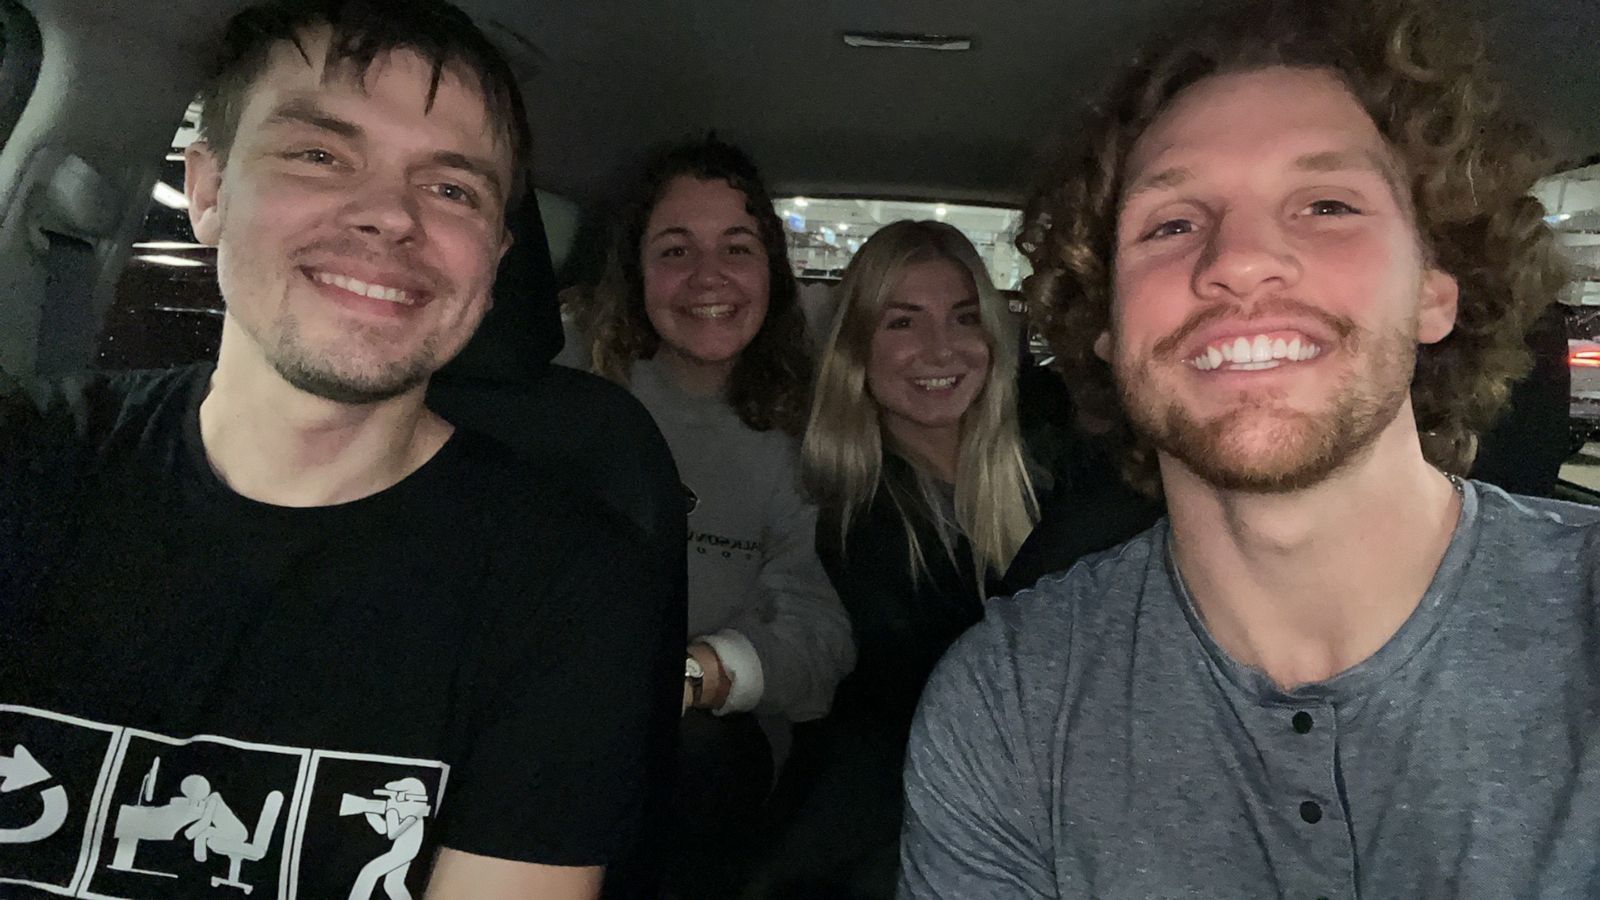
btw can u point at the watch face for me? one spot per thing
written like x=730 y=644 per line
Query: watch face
x=692 y=668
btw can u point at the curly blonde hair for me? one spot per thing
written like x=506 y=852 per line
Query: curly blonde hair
x=1423 y=78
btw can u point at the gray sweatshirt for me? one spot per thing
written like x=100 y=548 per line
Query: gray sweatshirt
x=757 y=592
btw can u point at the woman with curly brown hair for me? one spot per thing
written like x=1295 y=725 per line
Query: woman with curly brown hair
x=697 y=316
x=1291 y=279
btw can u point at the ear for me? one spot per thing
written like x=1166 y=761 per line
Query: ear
x=202 y=184
x=1102 y=346
x=1436 y=306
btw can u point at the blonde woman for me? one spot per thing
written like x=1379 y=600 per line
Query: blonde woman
x=912 y=450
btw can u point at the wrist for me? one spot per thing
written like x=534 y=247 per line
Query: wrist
x=715 y=681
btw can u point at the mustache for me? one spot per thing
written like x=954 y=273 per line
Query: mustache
x=1167 y=348
x=353 y=248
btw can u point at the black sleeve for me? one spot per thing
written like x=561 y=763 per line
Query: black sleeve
x=1090 y=511
x=579 y=702
x=1524 y=451
x=42 y=453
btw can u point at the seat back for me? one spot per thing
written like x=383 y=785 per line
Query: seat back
x=596 y=437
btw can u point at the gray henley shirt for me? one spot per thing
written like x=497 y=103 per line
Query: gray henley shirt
x=1090 y=739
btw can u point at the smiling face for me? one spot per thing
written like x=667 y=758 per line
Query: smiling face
x=929 y=357
x=706 y=276
x=357 y=230
x=1269 y=289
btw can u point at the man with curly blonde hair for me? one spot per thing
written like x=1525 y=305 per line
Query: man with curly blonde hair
x=1289 y=281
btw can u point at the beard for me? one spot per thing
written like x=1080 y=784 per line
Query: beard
x=1262 y=444
x=347 y=370
x=342 y=380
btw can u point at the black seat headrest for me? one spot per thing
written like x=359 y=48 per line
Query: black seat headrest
x=522 y=332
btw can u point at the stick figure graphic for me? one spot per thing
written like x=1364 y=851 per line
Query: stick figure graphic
x=396 y=812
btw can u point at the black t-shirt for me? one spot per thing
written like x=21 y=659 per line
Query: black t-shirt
x=197 y=689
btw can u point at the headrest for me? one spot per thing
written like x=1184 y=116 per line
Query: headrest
x=522 y=332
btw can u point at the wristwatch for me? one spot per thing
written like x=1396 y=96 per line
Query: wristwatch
x=695 y=675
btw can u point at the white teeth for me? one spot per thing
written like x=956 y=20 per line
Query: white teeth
x=716 y=311
x=1250 y=354
x=357 y=286
x=935 y=384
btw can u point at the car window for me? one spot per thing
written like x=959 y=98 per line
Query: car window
x=825 y=232
x=19 y=62
x=166 y=310
x=1572 y=201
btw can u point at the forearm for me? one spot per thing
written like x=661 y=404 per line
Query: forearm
x=805 y=650
x=467 y=876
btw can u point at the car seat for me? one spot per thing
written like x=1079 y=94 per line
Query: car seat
x=594 y=436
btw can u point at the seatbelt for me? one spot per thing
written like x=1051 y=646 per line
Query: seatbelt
x=68 y=325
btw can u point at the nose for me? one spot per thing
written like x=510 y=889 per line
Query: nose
x=707 y=272
x=1247 y=253
x=383 y=209
x=939 y=342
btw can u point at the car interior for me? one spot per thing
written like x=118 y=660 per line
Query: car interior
x=859 y=113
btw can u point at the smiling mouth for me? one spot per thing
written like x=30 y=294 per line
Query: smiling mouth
x=712 y=311
x=939 y=383
x=394 y=295
x=1251 y=354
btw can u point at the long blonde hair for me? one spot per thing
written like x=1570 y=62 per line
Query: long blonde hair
x=995 y=506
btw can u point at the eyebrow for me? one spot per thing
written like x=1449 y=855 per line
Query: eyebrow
x=675 y=230
x=481 y=168
x=1322 y=161
x=1165 y=179
x=913 y=307
x=305 y=111
x=1352 y=161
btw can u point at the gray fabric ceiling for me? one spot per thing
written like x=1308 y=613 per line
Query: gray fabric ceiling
x=608 y=78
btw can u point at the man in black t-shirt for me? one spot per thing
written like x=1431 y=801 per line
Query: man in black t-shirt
x=250 y=609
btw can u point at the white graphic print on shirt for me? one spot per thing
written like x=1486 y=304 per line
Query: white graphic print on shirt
x=101 y=811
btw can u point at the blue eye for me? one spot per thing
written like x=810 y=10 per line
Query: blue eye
x=455 y=193
x=316 y=156
x=1330 y=208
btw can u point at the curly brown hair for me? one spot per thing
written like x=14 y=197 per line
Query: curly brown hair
x=770 y=386
x=1423 y=78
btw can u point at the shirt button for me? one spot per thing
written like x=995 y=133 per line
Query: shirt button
x=1311 y=812
x=1302 y=722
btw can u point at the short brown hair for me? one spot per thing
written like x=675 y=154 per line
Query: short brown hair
x=362 y=31
x=1468 y=165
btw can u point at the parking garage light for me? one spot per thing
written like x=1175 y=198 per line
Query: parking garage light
x=169 y=196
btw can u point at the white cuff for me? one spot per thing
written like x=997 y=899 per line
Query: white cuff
x=739 y=660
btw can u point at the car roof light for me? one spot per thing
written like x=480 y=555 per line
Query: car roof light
x=892 y=41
